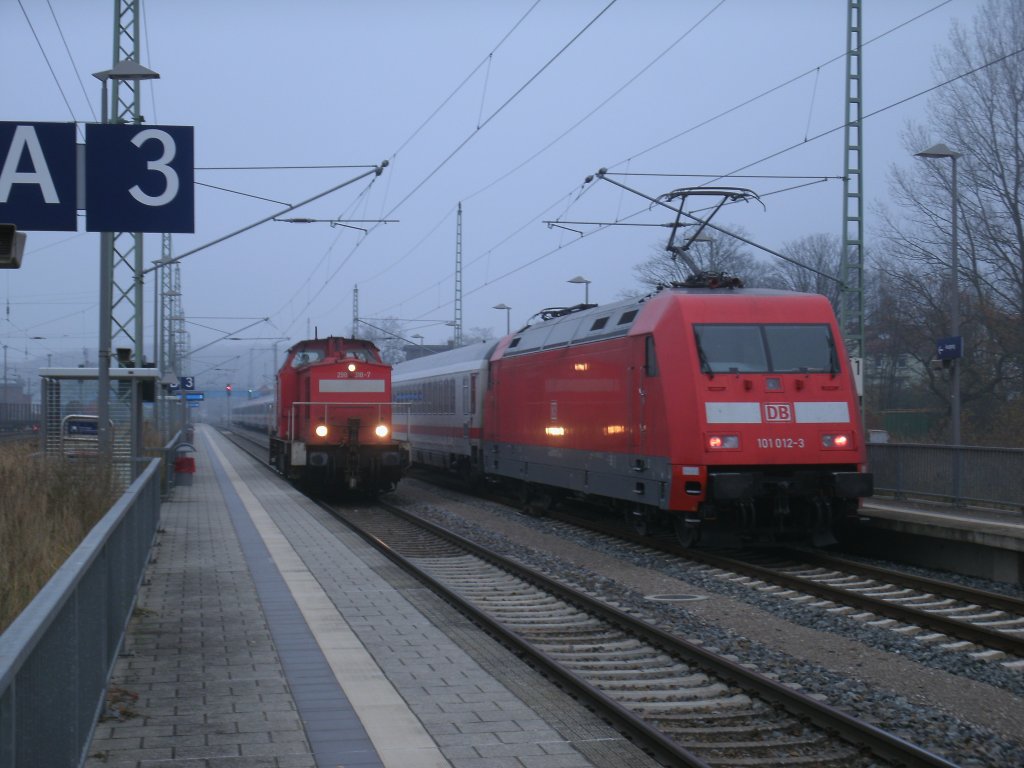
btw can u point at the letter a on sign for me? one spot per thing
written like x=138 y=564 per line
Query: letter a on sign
x=37 y=176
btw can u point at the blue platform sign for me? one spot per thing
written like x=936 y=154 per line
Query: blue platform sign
x=37 y=176
x=950 y=348
x=138 y=178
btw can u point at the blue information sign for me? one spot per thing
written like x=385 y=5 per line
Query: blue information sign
x=950 y=348
x=138 y=178
x=37 y=176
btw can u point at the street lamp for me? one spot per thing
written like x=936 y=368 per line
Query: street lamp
x=939 y=151
x=508 y=316
x=586 y=286
x=123 y=70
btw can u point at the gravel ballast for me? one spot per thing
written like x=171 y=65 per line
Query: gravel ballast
x=969 y=711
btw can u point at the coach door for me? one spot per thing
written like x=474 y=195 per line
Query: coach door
x=640 y=373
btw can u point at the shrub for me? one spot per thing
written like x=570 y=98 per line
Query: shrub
x=46 y=509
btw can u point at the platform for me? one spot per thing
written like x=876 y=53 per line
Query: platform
x=268 y=634
x=988 y=543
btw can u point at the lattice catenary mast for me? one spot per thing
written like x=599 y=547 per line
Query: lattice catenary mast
x=851 y=269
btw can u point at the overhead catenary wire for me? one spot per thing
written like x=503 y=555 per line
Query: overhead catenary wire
x=552 y=143
x=390 y=212
x=265 y=219
x=792 y=147
x=712 y=119
x=71 y=58
x=46 y=58
x=500 y=109
x=488 y=251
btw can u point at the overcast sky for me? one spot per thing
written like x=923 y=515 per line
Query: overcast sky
x=505 y=106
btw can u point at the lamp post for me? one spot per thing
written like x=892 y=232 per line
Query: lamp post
x=939 y=151
x=508 y=316
x=123 y=70
x=586 y=286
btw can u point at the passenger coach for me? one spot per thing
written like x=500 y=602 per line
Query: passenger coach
x=709 y=408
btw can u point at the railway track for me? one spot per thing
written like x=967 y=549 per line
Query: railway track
x=985 y=625
x=641 y=678
x=685 y=703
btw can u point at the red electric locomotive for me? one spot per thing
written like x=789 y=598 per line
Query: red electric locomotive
x=704 y=405
x=332 y=426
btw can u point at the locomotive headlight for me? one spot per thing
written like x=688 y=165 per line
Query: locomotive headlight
x=321 y=430
x=723 y=442
x=351 y=367
x=382 y=430
x=838 y=440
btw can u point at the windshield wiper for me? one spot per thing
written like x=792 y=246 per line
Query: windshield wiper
x=833 y=356
x=705 y=366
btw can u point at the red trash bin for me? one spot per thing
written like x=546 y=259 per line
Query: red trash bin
x=184 y=469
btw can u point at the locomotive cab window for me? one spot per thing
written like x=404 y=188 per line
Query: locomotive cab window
x=801 y=348
x=307 y=357
x=782 y=348
x=360 y=354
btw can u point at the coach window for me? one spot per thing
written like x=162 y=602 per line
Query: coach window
x=650 y=357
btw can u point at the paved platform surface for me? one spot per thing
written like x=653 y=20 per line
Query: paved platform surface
x=975 y=541
x=268 y=634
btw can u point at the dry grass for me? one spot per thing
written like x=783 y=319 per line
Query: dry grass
x=46 y=508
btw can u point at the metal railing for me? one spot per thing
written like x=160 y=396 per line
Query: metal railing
x=57 y=656
x=964 y=475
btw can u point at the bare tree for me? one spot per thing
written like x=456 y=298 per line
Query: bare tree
x=820 y=252
x=717 y=253
x=389 y=335
x=981 y=116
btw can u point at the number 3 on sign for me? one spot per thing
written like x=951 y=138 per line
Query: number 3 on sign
x=161 y=166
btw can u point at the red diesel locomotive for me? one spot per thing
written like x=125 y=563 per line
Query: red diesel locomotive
x=706 y=406
x=332 y=427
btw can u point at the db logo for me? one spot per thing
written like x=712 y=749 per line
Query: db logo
x=778 y=412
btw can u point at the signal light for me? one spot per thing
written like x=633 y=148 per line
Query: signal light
x=227 y=390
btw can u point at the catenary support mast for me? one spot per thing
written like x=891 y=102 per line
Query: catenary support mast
x=458 y=278
x=851 y=269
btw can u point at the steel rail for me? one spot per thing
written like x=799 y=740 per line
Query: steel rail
x=880 y=742
x=957 y=628
x=625 y=720
x=981 y=597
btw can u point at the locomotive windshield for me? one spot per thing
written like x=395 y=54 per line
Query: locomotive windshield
x=748 y=348
x=306 y=357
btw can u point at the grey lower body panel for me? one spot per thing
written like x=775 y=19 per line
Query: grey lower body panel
x=626 y=477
